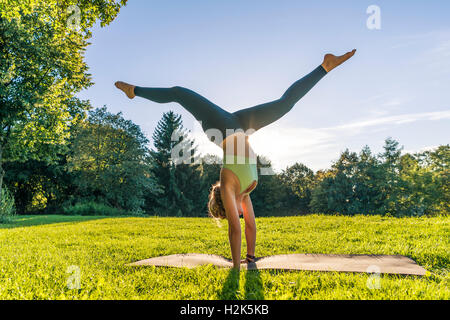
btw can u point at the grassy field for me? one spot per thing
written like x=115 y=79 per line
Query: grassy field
x=37 y=252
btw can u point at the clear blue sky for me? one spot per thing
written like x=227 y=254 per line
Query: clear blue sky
x=242 y=53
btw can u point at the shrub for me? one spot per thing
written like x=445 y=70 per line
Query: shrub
x=92 y=208
x=7 y=207
x=137 y=213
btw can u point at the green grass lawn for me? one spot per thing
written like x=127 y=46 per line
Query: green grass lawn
x=36 y=252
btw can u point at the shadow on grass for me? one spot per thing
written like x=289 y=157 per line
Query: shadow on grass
x=253 y=287
x=230 y=288
x=36 y=220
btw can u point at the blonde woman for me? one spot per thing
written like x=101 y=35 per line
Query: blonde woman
x=230 y=196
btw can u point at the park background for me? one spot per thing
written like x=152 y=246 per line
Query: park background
x=73 y=144
x=88 y=186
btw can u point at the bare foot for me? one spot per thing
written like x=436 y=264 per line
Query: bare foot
x=127 y=88
x=331 y=61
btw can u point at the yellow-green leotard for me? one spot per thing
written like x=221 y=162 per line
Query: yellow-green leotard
x=243 y=167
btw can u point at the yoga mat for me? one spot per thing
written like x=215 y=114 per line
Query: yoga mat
x=393 y=264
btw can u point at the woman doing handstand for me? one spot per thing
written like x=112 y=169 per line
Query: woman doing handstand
x=230 y=196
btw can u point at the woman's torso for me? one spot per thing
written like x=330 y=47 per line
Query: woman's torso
x=240 y=159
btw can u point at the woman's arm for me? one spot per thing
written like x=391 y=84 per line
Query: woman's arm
x=234 y=224
x=250 y=225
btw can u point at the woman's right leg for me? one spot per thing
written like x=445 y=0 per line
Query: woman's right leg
x=209 y=114
x=257 y=117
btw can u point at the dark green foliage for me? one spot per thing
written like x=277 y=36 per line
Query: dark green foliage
x=300 y=181
x=42 y=68
x=271 y=197
x=39 y=187
x=425 y=181
x=55 y=158
x=109 y=170
x=7 y=206
x=91 y=208
x=179 y=180
x=109 y=161
x=390 y=183
x=209 y=174
x=346 y=187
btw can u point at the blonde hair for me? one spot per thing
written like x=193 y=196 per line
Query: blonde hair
x=216 y=208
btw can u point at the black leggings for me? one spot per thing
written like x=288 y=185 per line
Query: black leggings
x=212 y=116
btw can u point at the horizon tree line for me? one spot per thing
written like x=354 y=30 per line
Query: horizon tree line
x=107 y=167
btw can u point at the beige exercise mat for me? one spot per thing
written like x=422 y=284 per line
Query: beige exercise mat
x=316 y=262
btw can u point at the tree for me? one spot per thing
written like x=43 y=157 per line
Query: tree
x=350 y=187
x=300 y=180
x=179 y=180
x=369 y=197
x=41 y=69
x=110 y=158
x=211 y=166
x=425 y=180
x=209 y=174
x=391 y=185
x=271 y=197
x=38 y=186
x=320 y=202
x=342 y=192
x=439 y=164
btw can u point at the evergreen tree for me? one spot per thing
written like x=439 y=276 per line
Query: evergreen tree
x=175 y=169
x=389 y=179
